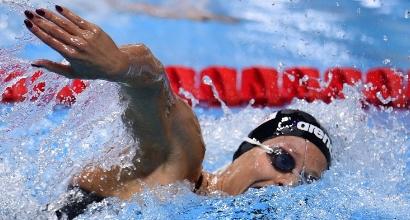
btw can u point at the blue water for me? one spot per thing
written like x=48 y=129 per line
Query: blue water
x=41 y=145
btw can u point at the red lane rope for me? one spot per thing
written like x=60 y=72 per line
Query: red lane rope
x=265 y=85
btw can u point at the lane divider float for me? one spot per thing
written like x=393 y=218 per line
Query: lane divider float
x=265 y=85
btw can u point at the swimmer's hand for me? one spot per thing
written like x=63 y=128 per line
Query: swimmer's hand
x=91 y=53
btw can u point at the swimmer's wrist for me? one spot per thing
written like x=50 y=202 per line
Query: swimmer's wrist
x=144 y=76
x=122 y=68
x=140 y=68
x=138 y=75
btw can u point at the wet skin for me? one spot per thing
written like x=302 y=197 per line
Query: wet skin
x=171 y=146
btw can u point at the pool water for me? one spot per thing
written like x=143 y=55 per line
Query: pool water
x=42 y=145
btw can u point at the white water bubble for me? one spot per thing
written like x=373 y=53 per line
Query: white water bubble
x=386 y=61
x=207 y=80
x=281 y=66
x=385 y=38
x=291 y=77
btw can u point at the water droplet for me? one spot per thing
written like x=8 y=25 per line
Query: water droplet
x=207 y=80
x=291 y=77
x=385 y=38
x=252 y=101
x=386 y=61
x=337 y=4
x=358 y=11
x=407 y=14
x=281 y=66
x=304 y=79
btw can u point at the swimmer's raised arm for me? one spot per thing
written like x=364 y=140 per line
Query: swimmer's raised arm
x=170 y=141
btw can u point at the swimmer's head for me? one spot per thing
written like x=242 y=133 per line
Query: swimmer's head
x=287 y=149
x=289 y=122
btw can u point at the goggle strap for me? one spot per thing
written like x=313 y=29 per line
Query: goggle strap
x=257 y=143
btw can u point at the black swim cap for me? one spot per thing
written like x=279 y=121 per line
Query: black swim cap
x=290 y=122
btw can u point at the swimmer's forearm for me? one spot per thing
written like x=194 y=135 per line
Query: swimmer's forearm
x=144 y=86
x=145 y=92
x=168 y=132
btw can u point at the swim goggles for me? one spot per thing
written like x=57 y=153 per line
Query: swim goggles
x=282 y=161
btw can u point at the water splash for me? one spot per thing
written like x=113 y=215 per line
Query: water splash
x=208 y=81
x=47 y=144
x=189 y=96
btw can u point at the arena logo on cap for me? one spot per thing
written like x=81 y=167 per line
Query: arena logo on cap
x=319 y=133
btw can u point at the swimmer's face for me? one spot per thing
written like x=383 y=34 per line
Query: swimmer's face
x=254 y=168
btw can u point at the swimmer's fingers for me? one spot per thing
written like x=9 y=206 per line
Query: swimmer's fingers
x=61 y=69
x=63 y=23
x=55 y=31
x=75 y=19
x=65 y=50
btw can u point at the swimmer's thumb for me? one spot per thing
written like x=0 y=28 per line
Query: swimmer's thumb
x=59 y=68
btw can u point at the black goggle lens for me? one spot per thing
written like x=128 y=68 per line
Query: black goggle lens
x=282 y=161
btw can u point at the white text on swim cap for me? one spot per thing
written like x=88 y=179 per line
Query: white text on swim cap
x=319 y=133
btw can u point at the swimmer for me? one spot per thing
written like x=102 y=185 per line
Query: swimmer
x=288 y=149
x=176 y=9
